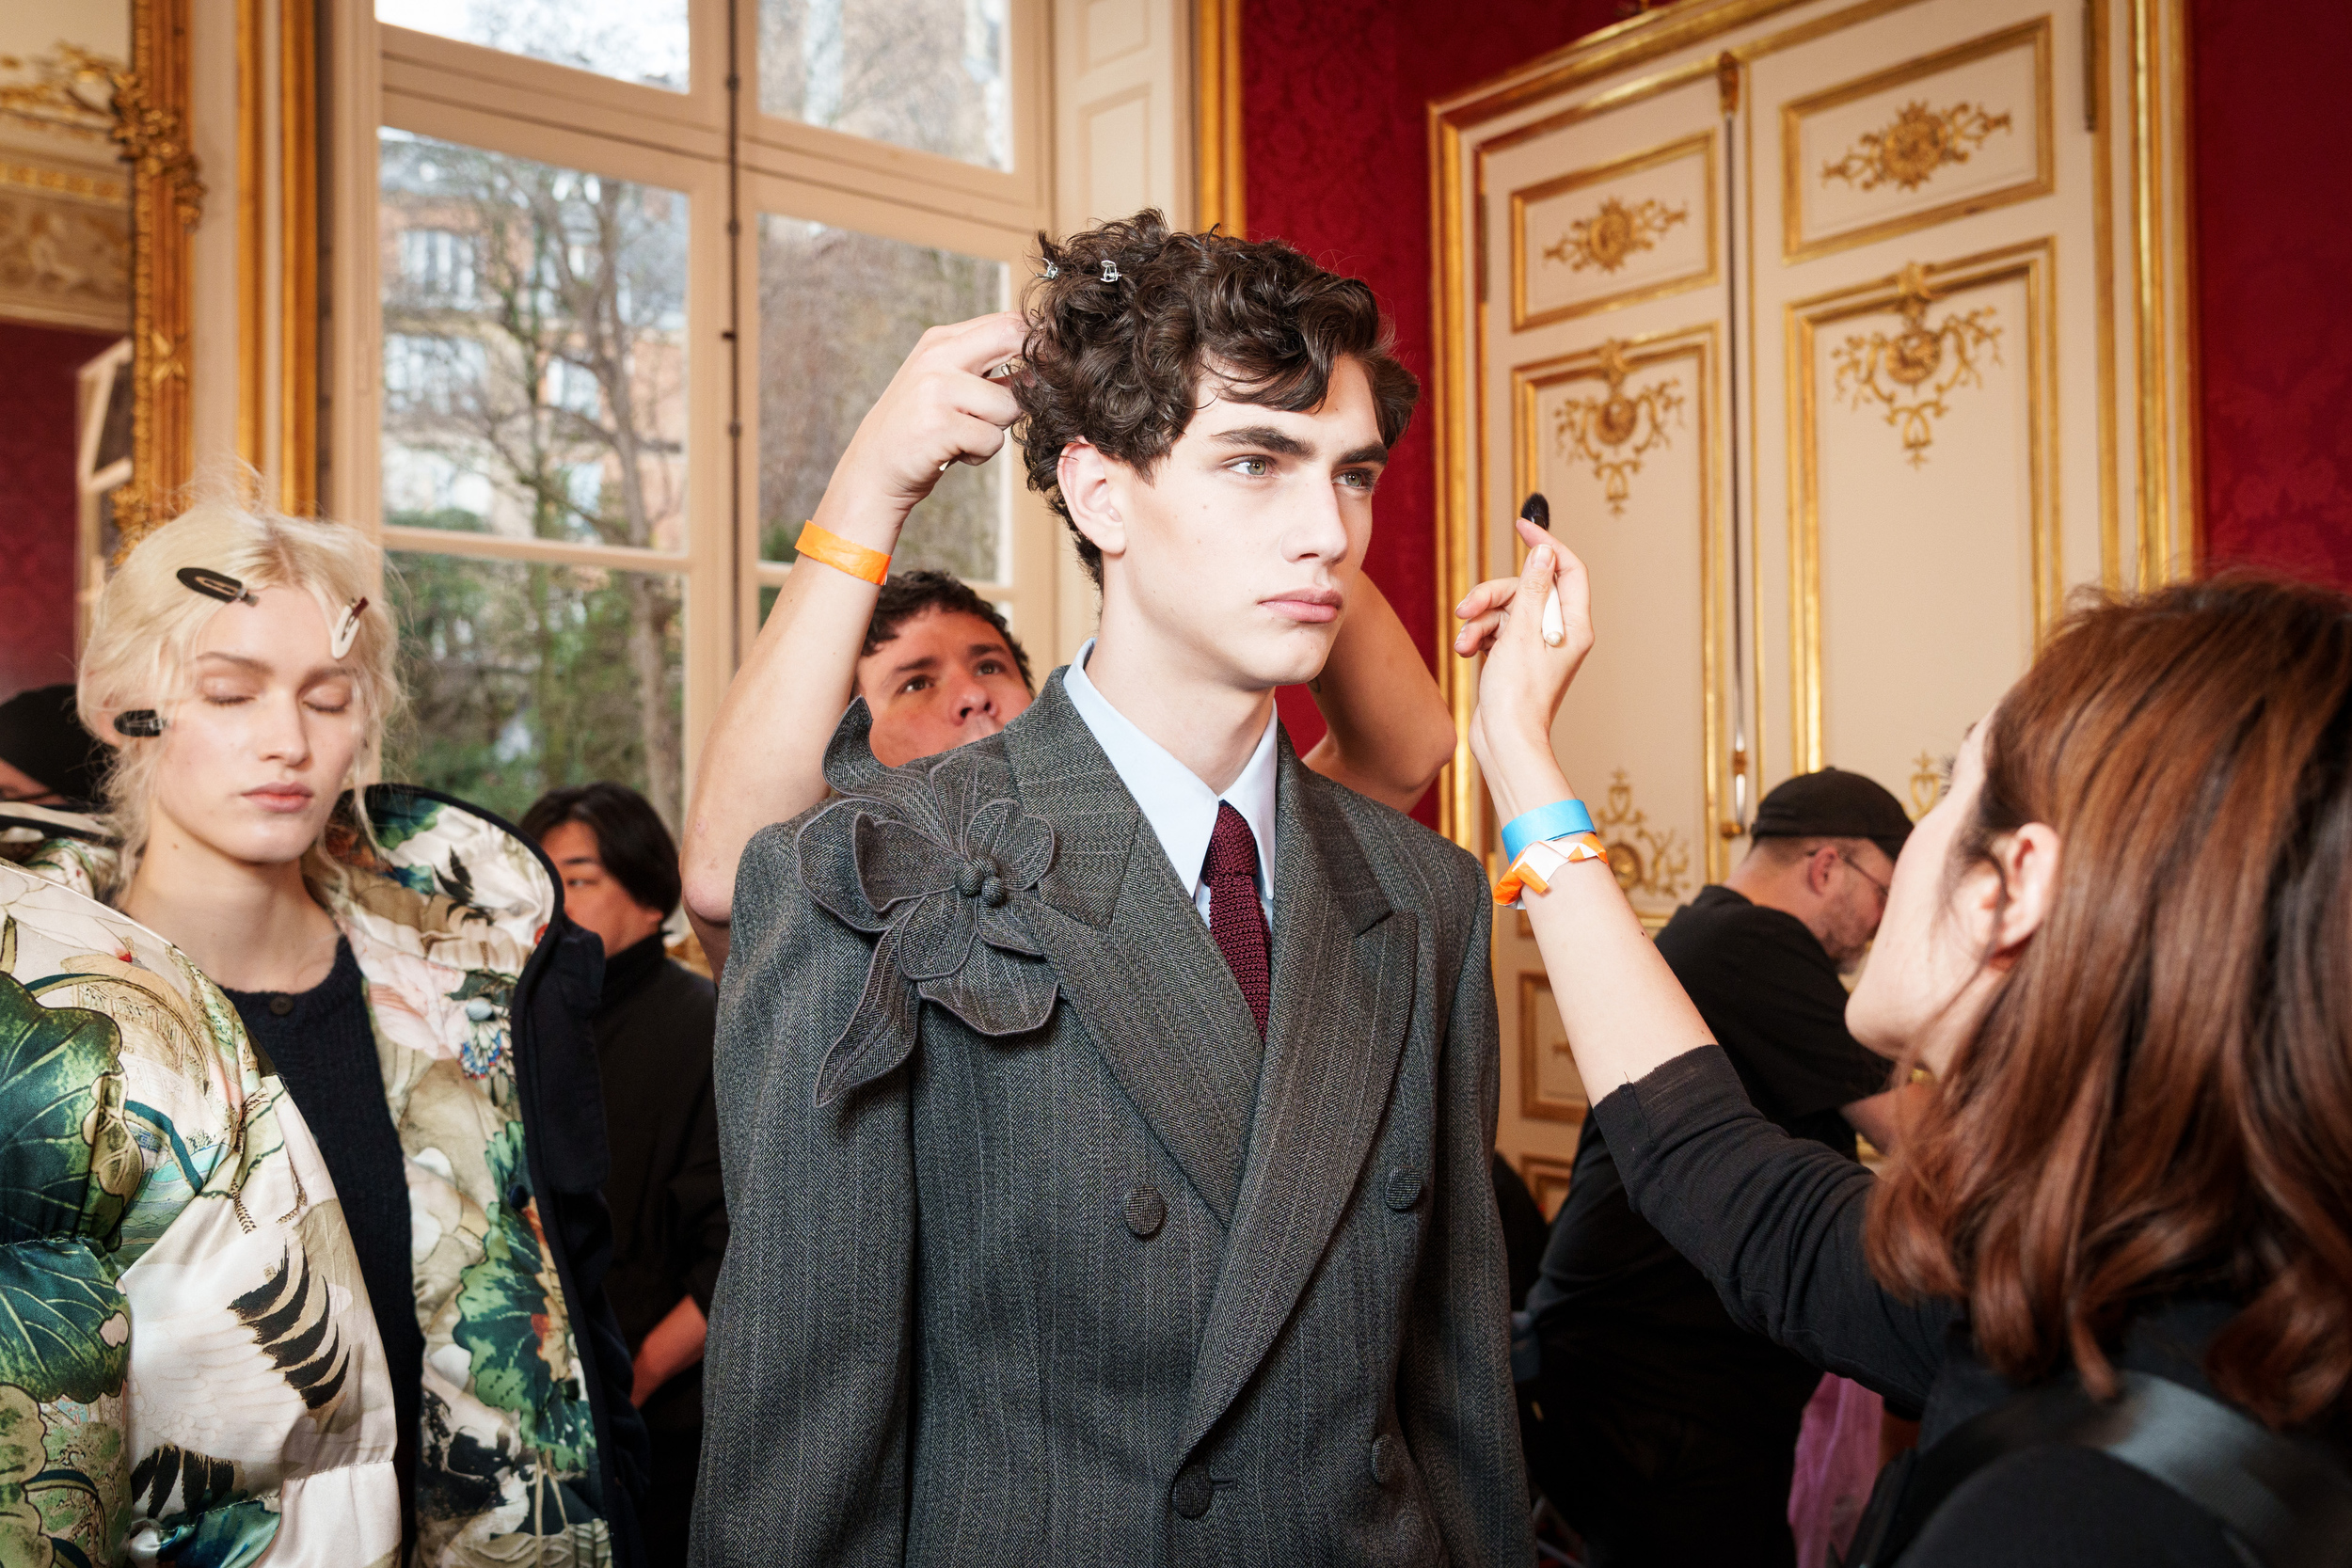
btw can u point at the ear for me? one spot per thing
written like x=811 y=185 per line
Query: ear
x=1084 y=475
x=1818 y=867
x=2028 y=860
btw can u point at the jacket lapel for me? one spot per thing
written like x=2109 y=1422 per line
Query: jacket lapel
x=1132 y=956
x=1342 y=993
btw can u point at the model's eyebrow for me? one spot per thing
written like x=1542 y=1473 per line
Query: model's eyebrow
x=262 y=667
x=926 y=662
x=1370 y=452
x=579 y=860
x=1266 y=438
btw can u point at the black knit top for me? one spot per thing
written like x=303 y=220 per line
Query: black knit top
x=322 y=1046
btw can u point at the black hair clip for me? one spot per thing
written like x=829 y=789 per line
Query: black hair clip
x=1110 y=270
x=215 y=585
x=139 y=723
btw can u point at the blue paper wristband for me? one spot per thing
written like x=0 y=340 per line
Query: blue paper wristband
x=1556 y=820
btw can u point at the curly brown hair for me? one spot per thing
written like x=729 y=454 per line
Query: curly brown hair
x=2158 y=1102
x=1118 y=363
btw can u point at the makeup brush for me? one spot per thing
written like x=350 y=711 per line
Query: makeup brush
x=1538 y=511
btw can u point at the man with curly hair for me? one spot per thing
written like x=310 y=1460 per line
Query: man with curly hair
x=1107 y=1102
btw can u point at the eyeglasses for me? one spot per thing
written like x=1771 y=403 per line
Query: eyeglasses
x=1883 y=889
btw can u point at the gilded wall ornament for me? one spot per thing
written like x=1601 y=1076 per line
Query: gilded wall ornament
x=1928 y=778
x=85 y=94
x=1920 y=141
x=1613 y=233
x=1647 y=862
x=1910 y=374
x=1613 y=432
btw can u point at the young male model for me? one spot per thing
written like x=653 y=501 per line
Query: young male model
x=1107 y=1103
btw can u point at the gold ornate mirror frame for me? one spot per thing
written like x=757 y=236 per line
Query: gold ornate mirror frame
x=167 y=199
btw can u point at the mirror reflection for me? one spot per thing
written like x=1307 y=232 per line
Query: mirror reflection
x=65 y=315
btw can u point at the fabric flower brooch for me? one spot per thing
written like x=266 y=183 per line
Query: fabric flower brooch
x=938 y=859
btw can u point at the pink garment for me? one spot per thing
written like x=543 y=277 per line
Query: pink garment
x=1837 y=1459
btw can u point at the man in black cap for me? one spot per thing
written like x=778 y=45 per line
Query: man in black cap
x=1662 y=1432
x=46 y=757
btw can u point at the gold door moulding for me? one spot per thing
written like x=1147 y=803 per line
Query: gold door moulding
x=1906 y=154
x=1546 y=1181
x=1910 y=374
x=1920 y=141
x=1530 y=386
x=1929 y=774
x=1613 y=430
x=2143 y=102
x=1537 y=1053
x=2035 y=264
x=1606 y=238
x=1650 y=862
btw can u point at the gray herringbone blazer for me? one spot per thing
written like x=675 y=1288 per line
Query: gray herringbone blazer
x=1125 y=1288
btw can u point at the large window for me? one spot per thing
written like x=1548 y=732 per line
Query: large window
x=606 y=408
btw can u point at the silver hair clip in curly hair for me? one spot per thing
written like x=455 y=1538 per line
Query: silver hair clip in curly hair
x=1110 y=270
x=1051 y=272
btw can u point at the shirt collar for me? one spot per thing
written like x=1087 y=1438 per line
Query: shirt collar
x=1173 y=798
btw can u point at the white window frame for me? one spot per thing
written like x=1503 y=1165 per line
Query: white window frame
x=383 y=75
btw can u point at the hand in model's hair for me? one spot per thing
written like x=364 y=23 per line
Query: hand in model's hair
x=940 y=409
x=1524 y=680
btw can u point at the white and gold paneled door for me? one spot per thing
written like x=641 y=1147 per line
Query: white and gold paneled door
x=1843 y=339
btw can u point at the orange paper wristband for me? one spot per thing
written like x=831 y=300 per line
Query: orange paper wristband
x=824 y=545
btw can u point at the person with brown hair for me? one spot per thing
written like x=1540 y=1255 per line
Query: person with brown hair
x=2112 y=1258
x=1107 y=1103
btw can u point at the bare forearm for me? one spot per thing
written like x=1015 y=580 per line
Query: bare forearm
x=763 y=761
x=1624 y=1011
x=672 y=1345
x=1389 y=732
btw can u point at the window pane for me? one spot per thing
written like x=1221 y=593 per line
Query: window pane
x=923 y=73
x=521 y=677
x=839 y=311
x=535 y=349
x=637 y=41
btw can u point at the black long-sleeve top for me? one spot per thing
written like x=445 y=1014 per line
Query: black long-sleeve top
x=654 y=1029
x=1775 y=1224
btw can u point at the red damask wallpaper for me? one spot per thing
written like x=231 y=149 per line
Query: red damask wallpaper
x=36 y=504
x=1335 y=94
x=2274 y=249
x=1334 y=99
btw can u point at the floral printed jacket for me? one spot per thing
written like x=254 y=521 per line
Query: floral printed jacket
x=530 y=1454
x=189 y=1373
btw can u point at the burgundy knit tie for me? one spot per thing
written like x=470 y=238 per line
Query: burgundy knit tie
x=1235 y=921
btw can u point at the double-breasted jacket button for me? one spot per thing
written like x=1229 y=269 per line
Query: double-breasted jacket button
x=1404 y=1189
x=1146 y=1211
x=1193 y=1491
x=1388 y=1459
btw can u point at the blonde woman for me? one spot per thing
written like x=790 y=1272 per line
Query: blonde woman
x=403 y=961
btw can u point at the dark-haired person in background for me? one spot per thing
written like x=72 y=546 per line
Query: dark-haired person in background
x=46 y=757
x=653 y=1031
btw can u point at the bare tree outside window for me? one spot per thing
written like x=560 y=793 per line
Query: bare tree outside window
x=929 y=75
x=839 y=311
x=636 y=40
x=534 y=387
